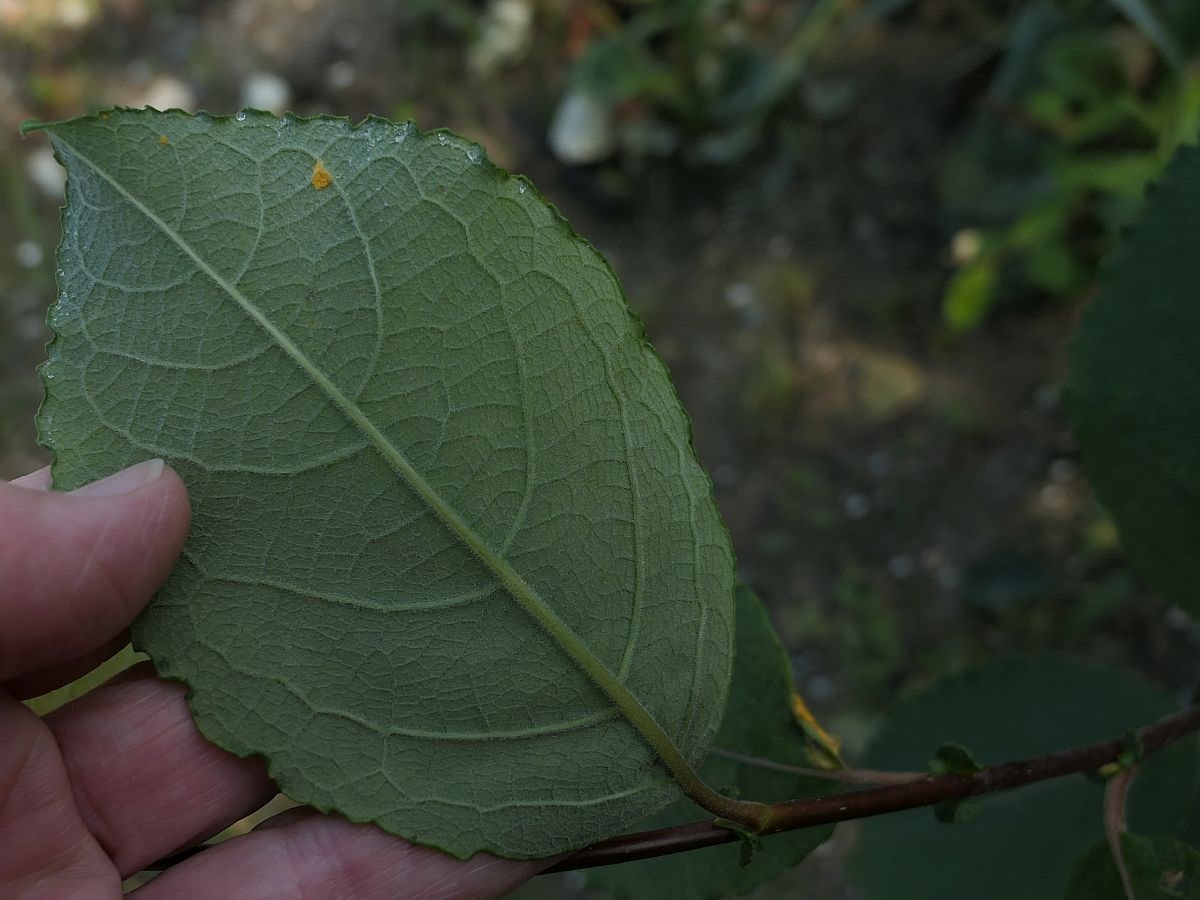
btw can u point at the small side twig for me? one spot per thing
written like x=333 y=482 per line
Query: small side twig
x=1116 y=791
x=842 y=776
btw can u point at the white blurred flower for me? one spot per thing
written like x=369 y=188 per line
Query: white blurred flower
x=504 y=37
x=582 y=130
x=264 y=90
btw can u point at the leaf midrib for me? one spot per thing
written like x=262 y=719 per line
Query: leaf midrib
x=514 y=584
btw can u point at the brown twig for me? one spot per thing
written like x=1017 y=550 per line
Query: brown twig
x=910 y=794
x=928 y=791
x=1116 y=792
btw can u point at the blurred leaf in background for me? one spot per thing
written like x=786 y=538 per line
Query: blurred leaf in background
x=1159 y=869
x=1133 y=393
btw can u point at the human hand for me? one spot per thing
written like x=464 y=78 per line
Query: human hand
x=97 y=790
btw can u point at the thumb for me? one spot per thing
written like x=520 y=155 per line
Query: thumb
x=76 y=568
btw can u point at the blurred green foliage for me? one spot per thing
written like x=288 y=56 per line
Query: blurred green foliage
x=1084 y=101
x=1086 y=104
x=695 y=78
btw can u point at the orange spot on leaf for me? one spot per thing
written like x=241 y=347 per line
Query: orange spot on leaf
x=162 y=139
x=321 y=178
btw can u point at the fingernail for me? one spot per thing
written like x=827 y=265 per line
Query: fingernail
x=124 y=482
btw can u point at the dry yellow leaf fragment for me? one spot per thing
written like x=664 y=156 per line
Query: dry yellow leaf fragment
x=824 y=748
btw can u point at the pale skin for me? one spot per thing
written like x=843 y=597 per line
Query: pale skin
x=120 y=778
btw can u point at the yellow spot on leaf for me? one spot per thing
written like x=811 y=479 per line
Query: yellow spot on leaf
x=162 y=139
x=103 y=117
x=321 y=178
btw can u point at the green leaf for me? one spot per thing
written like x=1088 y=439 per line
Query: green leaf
x=953 y=759
x=969 y=295
x=1133 y=392
x=454 y=568
x=759 y=724
x=957 y=812
x=1024 y=842
x=1159 y=869
x=749 y=841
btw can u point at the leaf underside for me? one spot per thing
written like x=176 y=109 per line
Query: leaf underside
x=445 y=503
x=759 y=727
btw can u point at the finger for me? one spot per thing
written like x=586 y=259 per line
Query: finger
x=36 y=481
x=325 y=856
x=75 y=568
x=53 y=677
x=37 y=683
x=47 y=852
x=146 y=782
